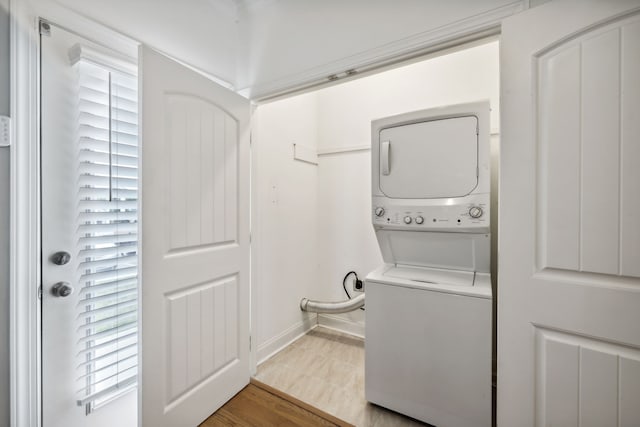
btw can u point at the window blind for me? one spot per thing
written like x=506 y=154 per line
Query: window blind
x=107 y=246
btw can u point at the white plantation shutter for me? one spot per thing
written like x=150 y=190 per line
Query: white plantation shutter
x=107 y=246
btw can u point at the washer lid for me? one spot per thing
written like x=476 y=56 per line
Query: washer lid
x=429 y=159
x=433 y=275
x=427 y=279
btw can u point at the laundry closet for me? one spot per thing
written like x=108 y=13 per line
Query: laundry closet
x=250 y=124
x=311 y=165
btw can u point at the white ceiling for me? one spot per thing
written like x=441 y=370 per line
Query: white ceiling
x=201 y=33
x=262 y=46
x=289 y=41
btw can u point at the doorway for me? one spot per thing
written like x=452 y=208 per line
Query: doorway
x=314 y=203
x=89 y=158
x=195 y=246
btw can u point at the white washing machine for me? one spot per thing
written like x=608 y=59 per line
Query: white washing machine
x=428 y=311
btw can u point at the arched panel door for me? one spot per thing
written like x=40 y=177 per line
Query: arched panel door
x=195 y=243
x=569 y=276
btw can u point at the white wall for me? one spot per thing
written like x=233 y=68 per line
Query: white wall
x=4 y=219
x=338 y=118
x=285 y=221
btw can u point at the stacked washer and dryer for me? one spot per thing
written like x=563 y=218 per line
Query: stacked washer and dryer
x=428 y=340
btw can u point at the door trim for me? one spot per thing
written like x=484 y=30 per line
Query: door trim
x=24 y=306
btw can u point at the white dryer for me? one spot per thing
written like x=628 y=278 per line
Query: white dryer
x=428 y=311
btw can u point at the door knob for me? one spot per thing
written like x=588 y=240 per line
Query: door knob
x=62 y=289
x=61 y=258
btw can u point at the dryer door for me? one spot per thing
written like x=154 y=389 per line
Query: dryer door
x=432 y=159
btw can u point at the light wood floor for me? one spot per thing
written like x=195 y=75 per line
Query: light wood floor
x=326 y=369
x=260 y=405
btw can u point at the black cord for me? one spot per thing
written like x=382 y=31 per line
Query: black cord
x=344 y=284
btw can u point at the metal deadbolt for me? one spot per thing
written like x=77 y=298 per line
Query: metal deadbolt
x=62 y=289
x=61 y=258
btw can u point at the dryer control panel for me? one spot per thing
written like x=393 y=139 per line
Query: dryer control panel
x=473 y=215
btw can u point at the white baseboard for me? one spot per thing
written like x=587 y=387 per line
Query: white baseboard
x=280 y=341
x=341 y=324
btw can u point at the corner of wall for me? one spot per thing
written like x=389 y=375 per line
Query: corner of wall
x=285 y=268
x=276 y=343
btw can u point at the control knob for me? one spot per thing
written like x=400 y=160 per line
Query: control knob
x=407 y=219
x=379 y=211
x=475 y=212
x=419 y=220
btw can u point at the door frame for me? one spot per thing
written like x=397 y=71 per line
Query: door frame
x=24 y=314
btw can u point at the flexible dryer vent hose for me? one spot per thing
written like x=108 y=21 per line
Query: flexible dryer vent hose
x=332 y=307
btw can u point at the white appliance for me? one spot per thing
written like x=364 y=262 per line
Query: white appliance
x=428 y=310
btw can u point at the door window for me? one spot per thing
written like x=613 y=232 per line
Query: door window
x=107 y=243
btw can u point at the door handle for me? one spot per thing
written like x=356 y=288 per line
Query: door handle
x=62 y=289
x=61 y=258
x=385 y=146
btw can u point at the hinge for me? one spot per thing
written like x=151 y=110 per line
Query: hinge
x=249 y=342
x=40 y=292
x=250 y=139
x=45 y=29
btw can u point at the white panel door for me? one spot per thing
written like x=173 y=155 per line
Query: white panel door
x=569 y=281
x=195 y=243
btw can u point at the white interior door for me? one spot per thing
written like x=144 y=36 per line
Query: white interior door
x=569 y=280
x=89 y=211
x=195 y=243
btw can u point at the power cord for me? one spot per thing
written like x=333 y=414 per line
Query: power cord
x=358 y=284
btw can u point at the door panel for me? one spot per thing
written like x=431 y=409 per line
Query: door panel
x=203 y=333
x=202 y=183
x=601 y=379
x=568 y=292
x=583 y=112
x=195 y=243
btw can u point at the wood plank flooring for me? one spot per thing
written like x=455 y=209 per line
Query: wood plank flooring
x=261 y=405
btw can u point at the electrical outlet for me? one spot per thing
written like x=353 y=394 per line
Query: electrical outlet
x=358 y=285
